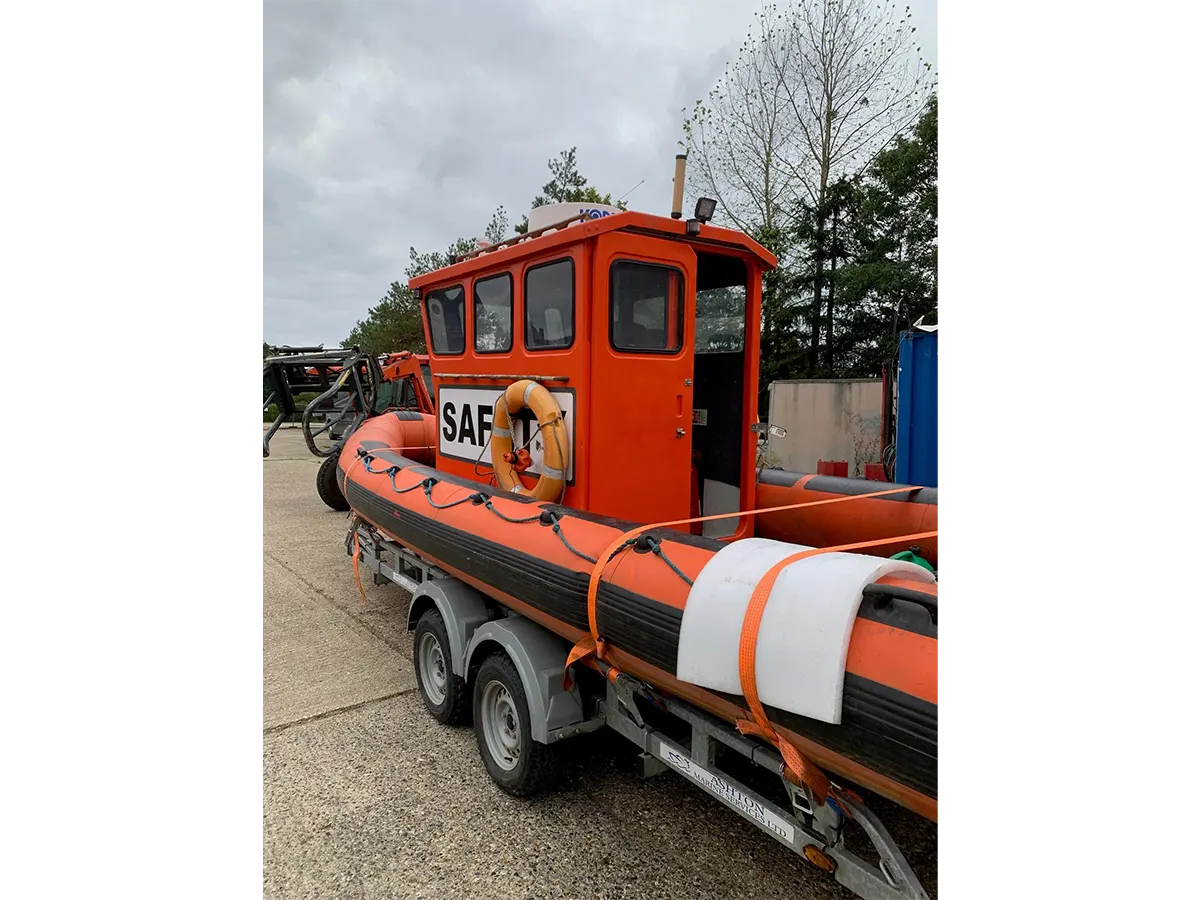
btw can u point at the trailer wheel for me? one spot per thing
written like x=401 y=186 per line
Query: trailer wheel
x=518 y=764
x=327 y=486
x=443 y=692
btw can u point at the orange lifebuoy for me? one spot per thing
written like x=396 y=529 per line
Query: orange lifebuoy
x=527 y=394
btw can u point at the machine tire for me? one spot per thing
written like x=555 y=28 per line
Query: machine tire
x=431 y=648
x=327 y=485
x=534 y=767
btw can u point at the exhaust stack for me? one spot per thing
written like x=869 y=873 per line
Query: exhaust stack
x=677 y=199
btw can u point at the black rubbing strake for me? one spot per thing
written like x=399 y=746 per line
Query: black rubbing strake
x=882 y=728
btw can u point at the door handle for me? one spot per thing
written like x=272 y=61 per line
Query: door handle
x=679 y=432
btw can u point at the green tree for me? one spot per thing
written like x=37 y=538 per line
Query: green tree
x=826 y=243
x=394 y=323
x=497 y=228
x=891 y=279
x=423 y=263
x=566 y=185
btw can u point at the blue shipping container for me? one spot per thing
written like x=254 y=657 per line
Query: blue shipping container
x=916 y=410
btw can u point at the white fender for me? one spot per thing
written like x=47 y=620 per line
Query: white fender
x=805 y=634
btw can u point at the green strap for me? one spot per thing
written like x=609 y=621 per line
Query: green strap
x=909 y=557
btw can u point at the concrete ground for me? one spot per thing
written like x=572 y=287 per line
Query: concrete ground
x=365 y=796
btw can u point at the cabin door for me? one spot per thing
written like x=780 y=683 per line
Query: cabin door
x=642 y=326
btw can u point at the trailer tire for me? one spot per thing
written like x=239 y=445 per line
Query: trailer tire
x=327 y=485
x=519 y=765
x=443 y=693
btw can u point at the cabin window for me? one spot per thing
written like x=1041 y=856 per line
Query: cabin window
x=550 y=306
x=720 y=303
x=721 y=319
x=395 y=395
x=493 y=314
x=646 y=308
x=444 y=308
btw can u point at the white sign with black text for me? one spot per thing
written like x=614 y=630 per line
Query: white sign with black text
x=465 y=425
x=727 y=793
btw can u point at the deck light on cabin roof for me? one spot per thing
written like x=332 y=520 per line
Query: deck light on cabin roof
x=705 y=207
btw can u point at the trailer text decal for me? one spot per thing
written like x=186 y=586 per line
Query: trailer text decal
x=465 y=424
x=723 y=790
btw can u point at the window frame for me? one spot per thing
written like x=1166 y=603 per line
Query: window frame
x=525 y=305
x=429 y=321
x=475 y=312
x=612 y=286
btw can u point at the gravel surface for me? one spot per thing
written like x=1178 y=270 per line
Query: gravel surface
x=365 y=795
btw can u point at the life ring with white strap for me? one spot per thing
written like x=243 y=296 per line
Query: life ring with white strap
x=528 y=394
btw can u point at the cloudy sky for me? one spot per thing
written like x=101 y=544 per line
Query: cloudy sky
x=401 y=123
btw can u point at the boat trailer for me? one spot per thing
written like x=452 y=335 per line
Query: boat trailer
x=464 y=643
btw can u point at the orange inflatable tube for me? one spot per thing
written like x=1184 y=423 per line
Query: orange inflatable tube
x=536 y=557
x=845 y=523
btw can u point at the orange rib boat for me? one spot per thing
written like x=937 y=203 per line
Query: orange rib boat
x=536 y=557
x=596 y=377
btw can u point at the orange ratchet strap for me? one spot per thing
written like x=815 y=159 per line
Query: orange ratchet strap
x=357 y=577
x=798 y=770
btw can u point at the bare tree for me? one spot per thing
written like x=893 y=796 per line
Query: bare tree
x=736 y=138
x=853 y=79
x=816 y=91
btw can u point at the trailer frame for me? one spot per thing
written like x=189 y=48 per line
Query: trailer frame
x=474 y=622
